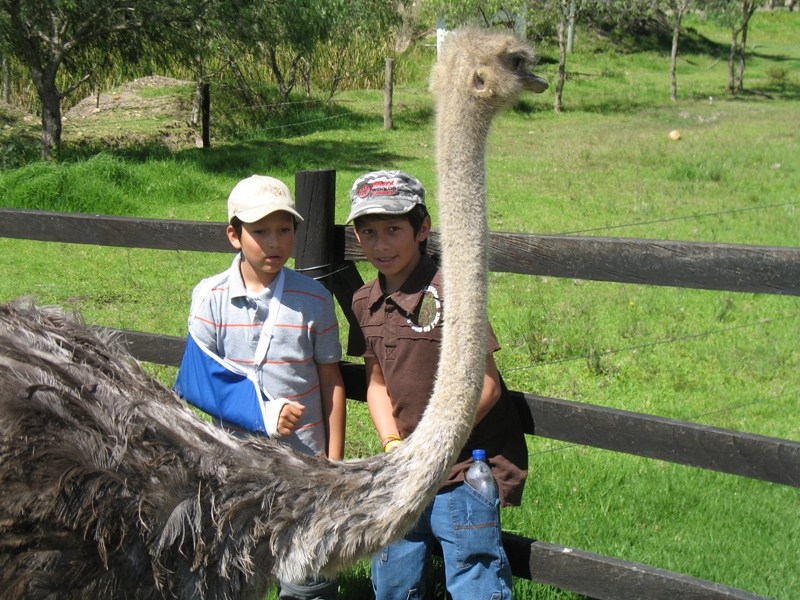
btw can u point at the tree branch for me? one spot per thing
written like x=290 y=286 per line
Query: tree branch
x=74 y=87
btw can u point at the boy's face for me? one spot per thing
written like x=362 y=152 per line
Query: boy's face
x=266 y=246
x=391 y=246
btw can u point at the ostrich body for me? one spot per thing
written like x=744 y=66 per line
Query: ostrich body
x=111 y=487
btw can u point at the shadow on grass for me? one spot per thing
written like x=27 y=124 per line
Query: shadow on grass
x=270 y=145
x=246 y=158
x=783 y=91
x=414 y=118
x=257 y=149
x=19 y=150
x=572 y=103
x=243 y=158
x=655 y=35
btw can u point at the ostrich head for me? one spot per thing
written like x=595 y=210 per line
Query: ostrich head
x=494 y=68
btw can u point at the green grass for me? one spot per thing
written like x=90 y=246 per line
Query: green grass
x=607 y=167
x=182 y=90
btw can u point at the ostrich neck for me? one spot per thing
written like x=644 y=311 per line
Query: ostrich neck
x=461 y=141
x=385 y=495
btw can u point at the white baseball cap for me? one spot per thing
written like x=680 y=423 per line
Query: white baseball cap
x=257 y=196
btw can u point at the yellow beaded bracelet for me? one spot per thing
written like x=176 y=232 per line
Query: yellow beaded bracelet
x=391 y=445
x=390 y=438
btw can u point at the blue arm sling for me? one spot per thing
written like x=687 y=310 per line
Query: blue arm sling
x=220 y=387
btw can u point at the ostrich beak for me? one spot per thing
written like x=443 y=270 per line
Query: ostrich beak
x=535 y=84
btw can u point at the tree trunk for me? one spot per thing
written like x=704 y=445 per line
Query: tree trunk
x=673 y=94
x=732 y=59
x=205 y=110
x=43 y=74
x=335 y=80
x=562 y=57
x=748 y=8
x=740 y=74
x=338 y=74
x=51 y=118
x=571 y=28
x=276 y=71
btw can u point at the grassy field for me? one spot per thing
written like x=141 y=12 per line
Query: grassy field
x=604 y=167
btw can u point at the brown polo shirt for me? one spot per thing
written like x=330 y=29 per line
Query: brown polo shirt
x=403 y=332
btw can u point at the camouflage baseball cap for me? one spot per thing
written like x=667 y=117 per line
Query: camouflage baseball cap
x=385 y=193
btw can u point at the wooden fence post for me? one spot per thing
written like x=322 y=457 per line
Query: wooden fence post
x=315 y=245
x=388 y=91
x=205 y=108
x=315 y=197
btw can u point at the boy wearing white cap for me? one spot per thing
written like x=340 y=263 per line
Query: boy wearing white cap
x=274 y=329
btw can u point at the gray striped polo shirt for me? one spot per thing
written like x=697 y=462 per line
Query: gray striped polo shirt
x=227 y=319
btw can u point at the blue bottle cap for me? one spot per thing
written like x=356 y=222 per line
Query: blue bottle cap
x=479 y=454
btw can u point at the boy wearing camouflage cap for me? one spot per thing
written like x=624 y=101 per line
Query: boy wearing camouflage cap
x=400 y=318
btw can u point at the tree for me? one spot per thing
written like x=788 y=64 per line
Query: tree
x=46 y=35
x=358 y=33
x=736 y=15
x=747 y=8
x=205 y=31
x=276 y=33
x=287 y=36
x=566 y=11
x=659 y=16
x=673 y=11
x=461 y=12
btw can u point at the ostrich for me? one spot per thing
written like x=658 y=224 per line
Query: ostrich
x=111 y=488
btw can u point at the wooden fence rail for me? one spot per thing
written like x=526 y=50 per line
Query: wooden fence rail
x=682 y=442
x=723 y=267
x=331 y=248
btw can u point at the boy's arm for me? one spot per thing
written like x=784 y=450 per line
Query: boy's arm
x=491 y=389
x=334 y=407
x=378 y=400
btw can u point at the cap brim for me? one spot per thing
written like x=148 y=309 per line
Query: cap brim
x=259 y=212
x=377 y=208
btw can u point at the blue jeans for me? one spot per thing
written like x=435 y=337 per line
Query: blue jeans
x=467 y=526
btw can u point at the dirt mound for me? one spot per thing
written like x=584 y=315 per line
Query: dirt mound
x=127 y=97
x=135 y=112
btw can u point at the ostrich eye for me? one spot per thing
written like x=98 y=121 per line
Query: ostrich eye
x=517 y=62
x=479 y=82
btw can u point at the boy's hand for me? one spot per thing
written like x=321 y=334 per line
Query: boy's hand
x=281 y=417
x=289 y=417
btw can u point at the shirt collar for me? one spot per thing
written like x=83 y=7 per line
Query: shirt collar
x=410 y=293
x=236 y=286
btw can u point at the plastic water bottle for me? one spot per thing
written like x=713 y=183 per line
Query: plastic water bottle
x=479 y=475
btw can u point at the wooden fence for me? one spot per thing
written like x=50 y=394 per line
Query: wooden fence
x=328 y=251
